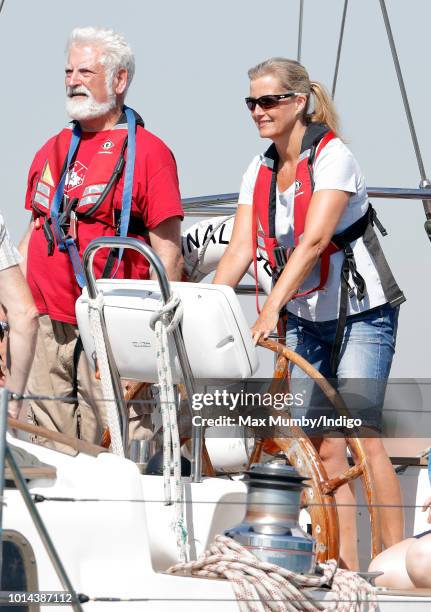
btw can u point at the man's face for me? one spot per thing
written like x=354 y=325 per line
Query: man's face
x=88 y=92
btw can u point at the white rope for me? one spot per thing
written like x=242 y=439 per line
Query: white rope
x=95 y=309
x=265 y=587
x=163 y=324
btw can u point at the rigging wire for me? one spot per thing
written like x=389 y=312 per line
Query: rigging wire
x=155 y=401
x=340 y=43
x=1 y=5
x=301 y=15
x=424 y=180
x=38 y=498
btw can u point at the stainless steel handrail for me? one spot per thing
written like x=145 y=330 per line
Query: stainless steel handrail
x=226 y=203
x=159 y=269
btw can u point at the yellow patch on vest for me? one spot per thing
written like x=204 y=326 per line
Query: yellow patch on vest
x=47 y=176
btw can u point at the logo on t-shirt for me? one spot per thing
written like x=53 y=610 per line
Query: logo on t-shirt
x=75 y=176
x=107 y=145
x=298 y=185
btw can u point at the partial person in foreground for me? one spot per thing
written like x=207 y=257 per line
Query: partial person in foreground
x=303 y=205
x=407 y=564
x=82 y=185
x=19 y=316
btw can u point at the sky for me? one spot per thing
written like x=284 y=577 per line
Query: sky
x=192 y=59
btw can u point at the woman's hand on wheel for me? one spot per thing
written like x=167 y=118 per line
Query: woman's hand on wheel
x=265 y=324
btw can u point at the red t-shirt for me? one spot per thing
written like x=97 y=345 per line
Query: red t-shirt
x=155 y=198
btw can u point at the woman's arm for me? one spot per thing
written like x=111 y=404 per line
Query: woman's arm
x=239 y=253
x=324 y=213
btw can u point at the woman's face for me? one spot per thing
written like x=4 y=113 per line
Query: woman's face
x=276 y=122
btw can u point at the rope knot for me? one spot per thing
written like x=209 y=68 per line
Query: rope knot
x=172 y=305
x=97 y=303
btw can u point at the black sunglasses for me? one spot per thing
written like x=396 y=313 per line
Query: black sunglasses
x=270 y=101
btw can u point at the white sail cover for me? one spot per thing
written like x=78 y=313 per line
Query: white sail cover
x=216 y=334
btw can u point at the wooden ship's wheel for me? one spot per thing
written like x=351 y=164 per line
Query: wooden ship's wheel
x=301 y=453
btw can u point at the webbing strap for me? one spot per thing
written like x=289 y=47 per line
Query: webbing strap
x=392 y=292
x=75 y=259
x=126 y=203
x=59 y=192
x=348 y=269
x=66 y=243
x=254 y=238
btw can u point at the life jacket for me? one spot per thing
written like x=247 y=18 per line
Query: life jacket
x=96 y=179
x=316 y=137
x=97 y=191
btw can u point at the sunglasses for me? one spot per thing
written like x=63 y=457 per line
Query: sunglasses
x=270 y=101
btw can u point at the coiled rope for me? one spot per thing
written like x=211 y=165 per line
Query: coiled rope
x=265 y=587
x=162 y=322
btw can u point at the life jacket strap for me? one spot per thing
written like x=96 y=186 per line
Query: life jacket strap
x=393 y=293
x=136 y=226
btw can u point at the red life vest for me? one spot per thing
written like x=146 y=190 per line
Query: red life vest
x=96 y=180
x=316 y=137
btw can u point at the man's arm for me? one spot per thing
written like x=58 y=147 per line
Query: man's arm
x=165 y=239
x=23 y=248
x=22 y=317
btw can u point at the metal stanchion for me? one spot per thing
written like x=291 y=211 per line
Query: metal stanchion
x=42 y=531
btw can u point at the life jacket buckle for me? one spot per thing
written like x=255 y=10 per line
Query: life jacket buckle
x=376 y=221
x=73 y=225
x=280 y=257
x=49 y=236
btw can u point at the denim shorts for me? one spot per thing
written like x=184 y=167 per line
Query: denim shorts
x=364 y=364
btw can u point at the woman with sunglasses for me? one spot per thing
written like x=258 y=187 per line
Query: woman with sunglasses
x=303 y=205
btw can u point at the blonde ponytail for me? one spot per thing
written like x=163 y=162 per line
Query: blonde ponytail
x=324 y=108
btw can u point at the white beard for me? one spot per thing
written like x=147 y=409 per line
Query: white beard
x=89 y=108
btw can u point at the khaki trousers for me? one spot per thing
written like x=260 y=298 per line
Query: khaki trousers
x=52 y=375
x=81 y=411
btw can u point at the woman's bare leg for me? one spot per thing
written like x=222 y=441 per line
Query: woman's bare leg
x=333 y=454
x=388 y=491
x=418 y=562
x=392 y=562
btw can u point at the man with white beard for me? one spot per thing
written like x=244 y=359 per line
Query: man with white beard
x=83 y=183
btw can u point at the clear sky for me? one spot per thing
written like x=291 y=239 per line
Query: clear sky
x=192 y=58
